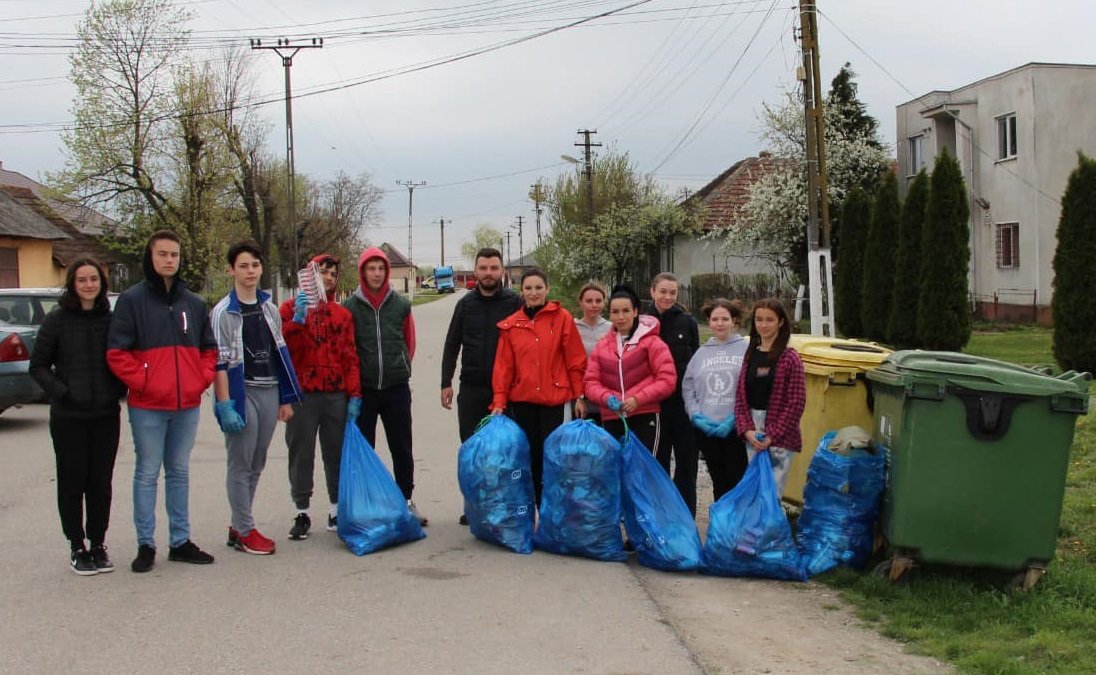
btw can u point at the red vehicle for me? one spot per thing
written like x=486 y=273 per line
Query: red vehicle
x=471 y=283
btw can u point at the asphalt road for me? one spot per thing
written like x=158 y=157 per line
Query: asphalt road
x=446 y=604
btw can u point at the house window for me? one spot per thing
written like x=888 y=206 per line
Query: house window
x=9 y=268
x=1008 y=246
x=1006 y=136
x=917 y=154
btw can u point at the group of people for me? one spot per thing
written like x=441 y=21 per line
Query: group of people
x=317 y=365
x=312 y=365
x=642 y=370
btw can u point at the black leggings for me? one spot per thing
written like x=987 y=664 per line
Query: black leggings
x=85 y=450
x=726 y=459
x=537 y=421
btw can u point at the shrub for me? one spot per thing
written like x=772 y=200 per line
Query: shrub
x=1074 y=304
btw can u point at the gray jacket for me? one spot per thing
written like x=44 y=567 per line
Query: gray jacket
x=711 y=377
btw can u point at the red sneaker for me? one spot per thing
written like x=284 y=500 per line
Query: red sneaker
x=254 y=543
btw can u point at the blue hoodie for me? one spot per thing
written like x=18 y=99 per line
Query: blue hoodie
x=711 y=377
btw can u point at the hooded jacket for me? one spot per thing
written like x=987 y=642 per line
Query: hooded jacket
x=680 y=333
x=160 y=343
x=384 y=330
x=712 y=377
x=639 y=366
x=323 y=350
x=539 y=360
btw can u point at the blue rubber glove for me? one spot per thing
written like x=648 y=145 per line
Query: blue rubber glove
x=300 y=308
x=760 y=436
x=701 y=421
x=614 y=403
x=353 y=408
x=724 y=428
x=227 y=417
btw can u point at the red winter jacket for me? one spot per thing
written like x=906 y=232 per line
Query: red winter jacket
x=323 y=350
x=539 y=360
x=640 y=366
x=786 y=404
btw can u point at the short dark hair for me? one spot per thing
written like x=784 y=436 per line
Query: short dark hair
x=488 y=252
x=533 y=272
x=170 y=235
x=69 y=299
x=245 y=246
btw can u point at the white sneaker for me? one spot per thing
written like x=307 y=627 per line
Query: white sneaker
x=415 y=512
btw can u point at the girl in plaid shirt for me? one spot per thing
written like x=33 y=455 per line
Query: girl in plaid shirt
x=771 y=390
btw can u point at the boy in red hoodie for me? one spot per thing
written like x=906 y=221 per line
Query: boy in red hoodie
x=384 y=333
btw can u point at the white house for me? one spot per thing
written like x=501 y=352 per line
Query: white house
x=1016 y=136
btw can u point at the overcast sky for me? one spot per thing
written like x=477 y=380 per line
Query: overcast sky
x=676 y=83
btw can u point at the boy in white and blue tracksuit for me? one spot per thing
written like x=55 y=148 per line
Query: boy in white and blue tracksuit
x=708 y=389
x=254 y=387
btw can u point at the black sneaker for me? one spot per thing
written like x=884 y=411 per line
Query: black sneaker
x=146 y=558
x=101 y=559
x=300 y=527
x=82 y=564
x=463 y=519
x=332 y=523
x=188 y=552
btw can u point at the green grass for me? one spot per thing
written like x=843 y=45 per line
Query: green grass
x=424 y=296
x=966 y=616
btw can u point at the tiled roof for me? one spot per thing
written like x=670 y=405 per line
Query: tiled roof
x=396 y=258
x=19 y=220
x=726 y=195
x=86 y=220
x=79 y=244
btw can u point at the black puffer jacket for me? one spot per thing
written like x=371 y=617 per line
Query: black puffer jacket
x=70 y=363
x=474 y=334
x=681 y=334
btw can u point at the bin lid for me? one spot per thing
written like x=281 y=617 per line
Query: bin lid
x=826 y=352
x=975 y=372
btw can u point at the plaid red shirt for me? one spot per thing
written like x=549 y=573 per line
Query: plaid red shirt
x=786 y=404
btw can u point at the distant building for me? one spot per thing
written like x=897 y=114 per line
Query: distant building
x=27 y=239
x=402 y=274
x=1016 y=136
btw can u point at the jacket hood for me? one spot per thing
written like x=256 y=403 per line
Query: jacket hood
x=369 y=254
x=712 y=341
x=646 y=325
x=155 y=279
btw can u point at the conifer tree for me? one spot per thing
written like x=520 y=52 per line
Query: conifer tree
x=855 y=216
x=902 y=323
x=1074 y=304
x=943 y=307
x=879 y=253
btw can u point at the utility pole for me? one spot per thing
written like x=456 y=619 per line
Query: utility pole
x=441 y=221
x=819 y=262
x=284 y=49
x=411 y=185
x=509 y=260
x=588 y=159
x=521 y=244
x=538 y=197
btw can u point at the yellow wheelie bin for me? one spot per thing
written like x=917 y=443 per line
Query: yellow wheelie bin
x=838 y=395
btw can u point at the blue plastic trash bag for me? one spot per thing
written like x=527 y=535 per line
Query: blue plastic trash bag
x=580 y=502
x=748 y=532
x=372 y=511
x=840 y=505
x=495 y=479
x=655 y=515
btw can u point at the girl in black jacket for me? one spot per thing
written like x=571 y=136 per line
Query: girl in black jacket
x=69 y=362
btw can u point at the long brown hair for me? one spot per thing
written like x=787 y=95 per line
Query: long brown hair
x=782 y=336
x=69 y=299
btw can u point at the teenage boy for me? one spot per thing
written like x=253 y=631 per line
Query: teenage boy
x=384 y=333
x=161 y=347
x=321 y=342
x=255 y=386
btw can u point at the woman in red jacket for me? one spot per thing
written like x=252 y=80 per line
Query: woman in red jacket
x=538 y=369
x=630 y=370
x=772 y=390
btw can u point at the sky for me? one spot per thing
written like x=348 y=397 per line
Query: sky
x=480 y=99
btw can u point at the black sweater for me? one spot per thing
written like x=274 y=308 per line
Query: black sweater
x=474 y=334
x=70 y=364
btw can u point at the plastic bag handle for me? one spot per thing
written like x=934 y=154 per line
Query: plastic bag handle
x=483 y=422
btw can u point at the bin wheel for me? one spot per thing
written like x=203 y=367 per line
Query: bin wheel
x=1027 y=579
x=893 y=569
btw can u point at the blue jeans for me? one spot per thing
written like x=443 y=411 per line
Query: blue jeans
x=162 y=438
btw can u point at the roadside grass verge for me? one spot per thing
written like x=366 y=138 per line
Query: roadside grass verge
x=967 y=616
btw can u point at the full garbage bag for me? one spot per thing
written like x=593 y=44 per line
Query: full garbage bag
x=495 y=479
x=748 y=532
x=372 y=511
x=580 y=502
x=840 y=506
x=656 y=518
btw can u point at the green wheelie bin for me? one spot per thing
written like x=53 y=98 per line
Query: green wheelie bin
x=977 y=453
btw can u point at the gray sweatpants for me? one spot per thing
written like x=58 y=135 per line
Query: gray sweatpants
x=325 y=413
x=247 y=454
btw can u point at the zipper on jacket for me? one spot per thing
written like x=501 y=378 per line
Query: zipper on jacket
x=175 y=353
x=380 y=344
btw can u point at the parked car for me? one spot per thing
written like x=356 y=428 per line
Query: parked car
x=471 y=283
x=16 y=385
x=28 y=306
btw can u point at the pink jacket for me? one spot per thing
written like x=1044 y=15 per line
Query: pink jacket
x=641 y=366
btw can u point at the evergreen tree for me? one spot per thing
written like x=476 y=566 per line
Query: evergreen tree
x=943 y=307
x=1074 y=304
x=902 y=323
x=879 y=254
x=855 y=216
